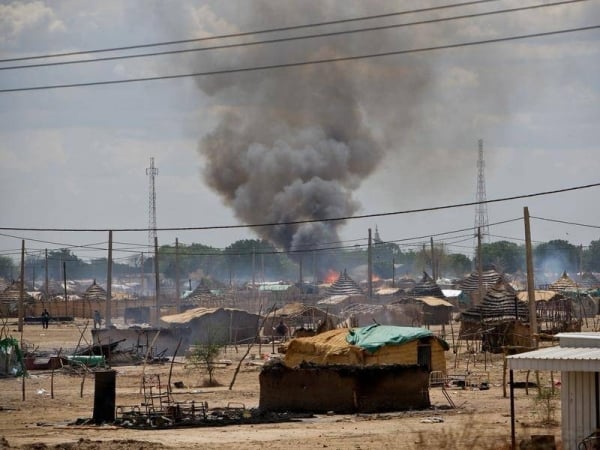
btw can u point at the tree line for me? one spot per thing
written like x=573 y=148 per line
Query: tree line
x=249 y=259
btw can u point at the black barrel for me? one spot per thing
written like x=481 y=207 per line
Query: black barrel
x=104 y=396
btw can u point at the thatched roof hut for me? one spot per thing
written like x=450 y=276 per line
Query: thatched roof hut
x=498 y=319
x=94 y=293
x=427 y=287
x=344 y=285
x=9 y=300
x=589 y=281
x=564 y=283
x=489 y=277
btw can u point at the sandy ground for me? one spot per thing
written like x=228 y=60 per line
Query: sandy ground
x=482 y=419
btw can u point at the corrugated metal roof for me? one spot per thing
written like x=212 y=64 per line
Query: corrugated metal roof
x=567 y=359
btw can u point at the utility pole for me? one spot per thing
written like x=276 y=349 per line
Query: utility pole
x=108 y=319
x=177 y=294
x=46 y=274
x=22 y=289
x=370 y=266
x=479 y=268
x=530 y=281
x=481 y=213
x=433 y=274
x=393 y=272
x=151 y=172
x=253 y=266
x=65 y=288
x=157 y=282
x=300 y=275
x=142 y=275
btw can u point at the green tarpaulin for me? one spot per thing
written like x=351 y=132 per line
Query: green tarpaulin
x=373 y=337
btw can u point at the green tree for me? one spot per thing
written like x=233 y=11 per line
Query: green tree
x=591 y=257
x=457 y=265
x=556 y=256
x=504 y=255
x=6 y=267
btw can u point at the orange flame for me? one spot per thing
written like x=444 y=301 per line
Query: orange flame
x=331 y=277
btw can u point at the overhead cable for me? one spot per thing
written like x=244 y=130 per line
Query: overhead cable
x=248 y=33
x=303 y=63
x=291 y=38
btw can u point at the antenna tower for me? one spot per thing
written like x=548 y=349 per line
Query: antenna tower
x=481 y=213
x=151 y=172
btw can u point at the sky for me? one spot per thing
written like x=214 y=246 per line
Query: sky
x=361 y=137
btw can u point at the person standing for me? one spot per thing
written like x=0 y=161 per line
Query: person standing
x=97 y=319
x=45 y=318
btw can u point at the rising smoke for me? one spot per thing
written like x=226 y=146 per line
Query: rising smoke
x=294 y=144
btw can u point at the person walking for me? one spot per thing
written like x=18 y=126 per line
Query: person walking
x=45 y=318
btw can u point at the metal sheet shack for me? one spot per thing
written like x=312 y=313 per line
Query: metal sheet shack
x=578 y=359
x=369 y=369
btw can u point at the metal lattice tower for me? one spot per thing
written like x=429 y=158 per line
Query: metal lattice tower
x=481 y=213
x=151 y=172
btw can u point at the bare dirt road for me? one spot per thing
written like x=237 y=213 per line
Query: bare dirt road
x=481 y=420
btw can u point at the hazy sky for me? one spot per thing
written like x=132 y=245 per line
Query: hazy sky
x=377 y=135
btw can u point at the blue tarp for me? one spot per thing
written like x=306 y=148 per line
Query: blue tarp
x=373 y=337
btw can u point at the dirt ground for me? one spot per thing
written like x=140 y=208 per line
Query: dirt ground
x=481 y=419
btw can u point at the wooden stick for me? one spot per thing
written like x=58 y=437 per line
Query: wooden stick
x=237 y=369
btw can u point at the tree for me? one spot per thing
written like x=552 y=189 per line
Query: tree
x=204 y=355
x=6 y=267
x=504 y=255
x=591 y=257
x=556 y=256
x=457 y=265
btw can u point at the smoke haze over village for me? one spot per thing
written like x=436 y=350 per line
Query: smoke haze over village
x=372 y=135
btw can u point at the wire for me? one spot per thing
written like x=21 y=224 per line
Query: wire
x=303 y=63
x=565 y=222
x=248 y=33
x=332 y=219
x=293 y=38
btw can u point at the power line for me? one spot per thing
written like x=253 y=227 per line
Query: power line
x=248 y=33
x=292 y=38
x=303 y=63
x=565 y=222
x=332 y=219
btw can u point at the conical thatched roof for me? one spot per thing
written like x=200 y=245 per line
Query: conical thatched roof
x=564 y=283
x=95 y=293
x=589 y=281
x=499 y=304
x=427 y=287
x=54 y=288
x=489 y=277
x=344 y=285
x=12 y=294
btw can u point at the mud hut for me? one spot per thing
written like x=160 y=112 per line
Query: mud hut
x=369 y=369
x=298 y=317
x=431 y=310
x=499 y=320
x=221 y=325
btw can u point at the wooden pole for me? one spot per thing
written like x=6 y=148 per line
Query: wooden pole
x=22 y=290
x=47 y=291
x=177 y=293
x=157 y=282
x=142 y=274
x=530 y=281
x=65 y=288
x=393 y=272
x=108 y=320
x=433 y=274
x=479 y=267
x=370 y=266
